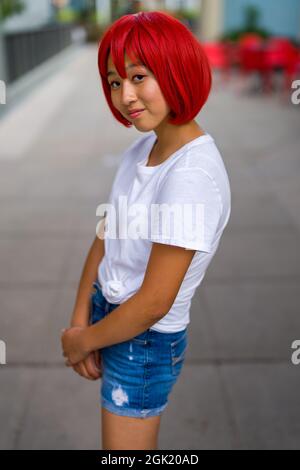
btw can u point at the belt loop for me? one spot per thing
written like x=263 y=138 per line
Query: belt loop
x=106 y=307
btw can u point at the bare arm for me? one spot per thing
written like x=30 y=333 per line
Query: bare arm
x=165 y=271
x=80 y=315
x=131 y=318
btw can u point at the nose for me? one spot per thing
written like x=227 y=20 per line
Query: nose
x=128 y=94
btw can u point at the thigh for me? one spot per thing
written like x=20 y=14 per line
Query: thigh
x=128 y=433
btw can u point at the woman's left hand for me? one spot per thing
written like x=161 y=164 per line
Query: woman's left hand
x=72 y=345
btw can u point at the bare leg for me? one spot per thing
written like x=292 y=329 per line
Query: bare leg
x=127 y=433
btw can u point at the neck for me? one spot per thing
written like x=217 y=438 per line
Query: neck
x=170 y=137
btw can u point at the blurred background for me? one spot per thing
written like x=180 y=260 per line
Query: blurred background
x=60 y=148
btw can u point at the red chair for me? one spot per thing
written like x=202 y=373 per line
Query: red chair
x=250 y=40
x=252 y=59
x=280 y=53
x=233 y=53
x=293 y=67
x=217 y=54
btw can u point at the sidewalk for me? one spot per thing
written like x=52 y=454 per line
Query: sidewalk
x=58 y=157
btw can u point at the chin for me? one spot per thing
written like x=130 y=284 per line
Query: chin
x=143 y=127
x=146 y=125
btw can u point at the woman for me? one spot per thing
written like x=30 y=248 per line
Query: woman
x=174 y=185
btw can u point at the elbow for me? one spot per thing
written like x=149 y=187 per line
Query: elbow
x=159 y=309
x=155 y=307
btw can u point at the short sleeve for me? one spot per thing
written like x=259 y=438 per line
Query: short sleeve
x=186 y=210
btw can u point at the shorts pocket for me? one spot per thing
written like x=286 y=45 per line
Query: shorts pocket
x=178 y=350
x=141 y=338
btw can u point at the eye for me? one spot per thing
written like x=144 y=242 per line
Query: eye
x=138 y=75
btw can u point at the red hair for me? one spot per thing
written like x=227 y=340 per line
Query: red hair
x=169 y=50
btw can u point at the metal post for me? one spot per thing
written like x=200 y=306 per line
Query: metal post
x=3 y=63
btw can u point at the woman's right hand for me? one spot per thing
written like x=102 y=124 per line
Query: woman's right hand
x=90 y=367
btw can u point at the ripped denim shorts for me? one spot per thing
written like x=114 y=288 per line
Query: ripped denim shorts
x=138 y=375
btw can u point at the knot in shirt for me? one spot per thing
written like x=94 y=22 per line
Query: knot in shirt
x=113 y=288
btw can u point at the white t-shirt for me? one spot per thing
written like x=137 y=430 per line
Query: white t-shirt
x=194 y=175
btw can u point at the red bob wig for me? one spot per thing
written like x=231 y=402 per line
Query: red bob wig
x=169 y=50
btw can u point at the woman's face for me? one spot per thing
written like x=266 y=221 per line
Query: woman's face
x=139 y=90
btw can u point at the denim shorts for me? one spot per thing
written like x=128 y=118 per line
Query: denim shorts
x=139 y=374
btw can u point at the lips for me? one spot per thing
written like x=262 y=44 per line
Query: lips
x=135 y=112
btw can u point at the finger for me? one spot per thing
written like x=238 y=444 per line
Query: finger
x=80 y=370
x=98 y=359
x=91 y=367
x=85 y=372
x=77 y=369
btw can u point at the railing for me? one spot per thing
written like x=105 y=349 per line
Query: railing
x=26 y=49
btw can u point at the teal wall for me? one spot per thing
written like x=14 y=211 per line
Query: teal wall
x=280 y=17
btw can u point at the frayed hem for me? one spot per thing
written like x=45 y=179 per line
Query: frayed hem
x=132 y=412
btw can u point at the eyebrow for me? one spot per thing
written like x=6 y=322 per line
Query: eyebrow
x=111 y=72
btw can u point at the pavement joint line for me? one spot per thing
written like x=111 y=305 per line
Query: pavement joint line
x=229 y=411
x=51 y=234
x=188 y=362
x=20 y=425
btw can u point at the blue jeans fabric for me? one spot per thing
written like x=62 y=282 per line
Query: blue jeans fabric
x=139 y=374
